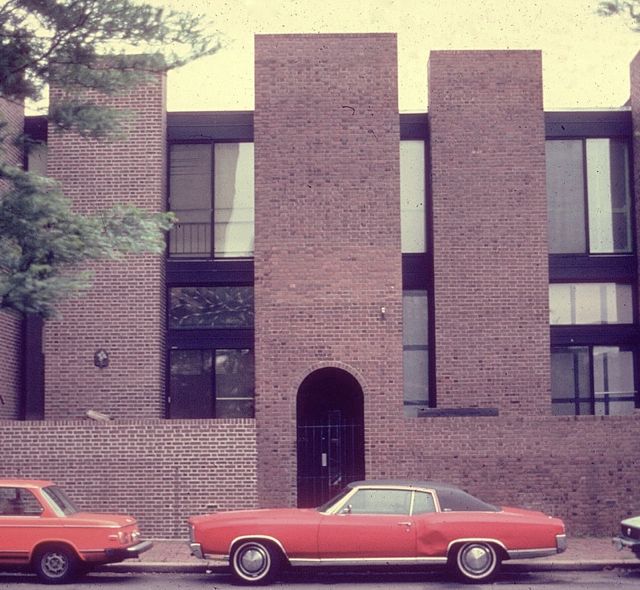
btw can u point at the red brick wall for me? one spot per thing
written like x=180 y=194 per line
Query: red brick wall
x=10 y=364
x=327 y=247
x=124 y=311
x=10 y=322
x=159 y=471
x=489 y=230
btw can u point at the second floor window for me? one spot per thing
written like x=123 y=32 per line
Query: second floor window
x=211 y=191
x=588 y=195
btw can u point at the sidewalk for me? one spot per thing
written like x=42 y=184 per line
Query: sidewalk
x=582 y=553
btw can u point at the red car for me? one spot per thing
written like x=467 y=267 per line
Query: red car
x=378 y=523
x=41 y=529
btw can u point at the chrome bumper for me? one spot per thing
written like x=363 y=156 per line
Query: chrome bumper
x=196 y=550
x=561 y=543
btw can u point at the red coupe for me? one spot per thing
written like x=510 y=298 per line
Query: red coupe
x=378 y=523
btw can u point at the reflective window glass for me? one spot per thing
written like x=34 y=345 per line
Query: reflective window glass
x=415 y=351
x=412 y=196
x=380 y=502
x=234 y=198
x=590 y=303
x=423 y=502
x=235 y=383
x=211 y=307
x=588 y=195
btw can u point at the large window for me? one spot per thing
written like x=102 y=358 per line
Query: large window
x=588 y=193
x=596 y=380
x=412 y=196
x=415 y=351
x=211 y=191
x=211 y=342
x=216 y=383
x=590 y=303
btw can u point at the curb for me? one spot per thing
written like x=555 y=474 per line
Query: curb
x=516 y=566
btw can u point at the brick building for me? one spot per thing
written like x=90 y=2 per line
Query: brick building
x=349 y=292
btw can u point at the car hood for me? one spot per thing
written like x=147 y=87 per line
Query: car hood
x=266 y=514
x=101 y=519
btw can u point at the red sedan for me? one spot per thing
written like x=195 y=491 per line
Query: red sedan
x=378 y=523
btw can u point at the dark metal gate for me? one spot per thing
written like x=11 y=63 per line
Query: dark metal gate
x=329 y=457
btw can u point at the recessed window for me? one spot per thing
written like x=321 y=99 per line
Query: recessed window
x=590 y=303
x=211 y=191
x=588 y=191
x=211 y=307
x=592 y=380
x=412 y=196
x=415 y=351
x=211 y=383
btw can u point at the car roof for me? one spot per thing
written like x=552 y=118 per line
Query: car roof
x=25 y=483
x=450 y=497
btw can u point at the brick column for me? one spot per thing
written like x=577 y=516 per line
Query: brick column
x=489 y=230
x=327 y=249
x=11 y=322
x=124 y=311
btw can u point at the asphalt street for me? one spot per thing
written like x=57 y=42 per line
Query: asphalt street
x=612 y=579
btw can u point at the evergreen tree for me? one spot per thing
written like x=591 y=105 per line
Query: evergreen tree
x=81 y=46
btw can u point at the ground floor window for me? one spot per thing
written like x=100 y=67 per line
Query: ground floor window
x=211 y=383
x=597 y=380
x=415 y=350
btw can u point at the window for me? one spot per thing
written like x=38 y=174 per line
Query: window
x=412 y=196
x=423 y=502
x=380 y=502
x=415 y=350
x=596 y=380
x=211 y=191
x=211 y=307
x=588 y=191
x=590 y=303
x=18 y=502
x=209 y=383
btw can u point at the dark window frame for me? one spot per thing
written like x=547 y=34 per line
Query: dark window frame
x=599 y=267
x=211 y=142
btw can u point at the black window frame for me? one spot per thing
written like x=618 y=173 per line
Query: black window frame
x=208 y=128
x=590 y=267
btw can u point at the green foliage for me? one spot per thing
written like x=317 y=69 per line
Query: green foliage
x=42 y=241
x=84 y=47
x=627 y=9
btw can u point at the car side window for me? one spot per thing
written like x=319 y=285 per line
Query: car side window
x=18 y=502
x=380 y=502
x=423 y=502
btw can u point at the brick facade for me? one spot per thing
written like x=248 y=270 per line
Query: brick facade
x=489 y=230
x=327 y=262
x=10 y=322
x=160 y=471
x=327 y=255
x=124 y=312
x=10 y=364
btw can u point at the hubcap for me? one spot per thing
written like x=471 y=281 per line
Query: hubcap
x=54 y=564
x=477 y=559
x=253 y=560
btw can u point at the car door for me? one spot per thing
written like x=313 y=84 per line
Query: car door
x=19 y=516
x=375 y=523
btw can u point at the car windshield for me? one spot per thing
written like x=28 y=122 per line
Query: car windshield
x=333 y=500
x=59 y=501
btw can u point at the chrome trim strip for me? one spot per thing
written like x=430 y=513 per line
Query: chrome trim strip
x=477 y=540
x=528 y=553
x=265 y=537
x=354 y=561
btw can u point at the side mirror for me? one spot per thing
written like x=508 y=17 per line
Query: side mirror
x=346 y=509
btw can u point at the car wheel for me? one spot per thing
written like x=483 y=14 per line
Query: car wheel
x=55 y=564
x=476 y=561
x=254 y=562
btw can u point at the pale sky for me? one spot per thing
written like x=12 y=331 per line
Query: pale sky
x=585 y=57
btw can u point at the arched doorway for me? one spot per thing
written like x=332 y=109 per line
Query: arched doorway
x=330 y=437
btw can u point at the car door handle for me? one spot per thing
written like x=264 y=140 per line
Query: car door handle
x=404 y=524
